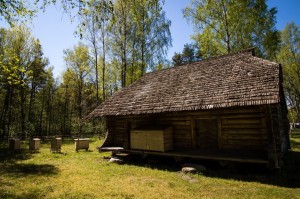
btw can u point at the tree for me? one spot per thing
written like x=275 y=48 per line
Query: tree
x=190 y=54
x=21 y=68
x=120 y=30
x=78 y=63
x=140 y=37
x=226 y=26
x=37 y=81
x=14 y=10
x=289 y=57
x=152 y=33
x=177 y=59
x=95 y=27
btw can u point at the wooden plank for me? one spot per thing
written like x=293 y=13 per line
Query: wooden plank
x=183 y=132
x=138 y=140
x=193 y=135
x=245 y=131
x=244 y=137
x=244 y=147
x=220 y=144
x=207 y=133
x=150 y=139
x=242 y=121
x=248 y=115
x=243 y=143
x=252 y=109
x=167 y=121
x=242 y=126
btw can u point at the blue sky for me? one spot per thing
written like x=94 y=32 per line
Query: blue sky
x=56 y=32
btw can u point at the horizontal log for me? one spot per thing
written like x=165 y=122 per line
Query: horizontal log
x=244 y=137
x=182 y=146
x=246 y=147
x=242 y=121
x=246 y=115
x=182 y=133
x=118 y=128
x=243 y=143
x=253 y=109
x=243 y=126
x=181 y=139
x=245 y=131
x=174 y=122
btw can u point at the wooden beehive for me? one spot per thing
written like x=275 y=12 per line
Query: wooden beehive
x=82 y=143
x=56 y=144
x=34 y=144
x=14 y=144
x=158 y=139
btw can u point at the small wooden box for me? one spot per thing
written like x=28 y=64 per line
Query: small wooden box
x=34 y=144
x=82 y=143
x=15 y=144
x=56 y=144
x=152 y=139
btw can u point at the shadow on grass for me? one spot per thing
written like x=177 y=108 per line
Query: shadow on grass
x=28 y=169
x=153 y=162
x=12 y=156
x=288 y=176
x=9 y=164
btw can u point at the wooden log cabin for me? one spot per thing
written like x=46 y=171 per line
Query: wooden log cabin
x=226 y=108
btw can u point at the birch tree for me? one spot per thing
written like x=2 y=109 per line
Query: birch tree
x=225 y=26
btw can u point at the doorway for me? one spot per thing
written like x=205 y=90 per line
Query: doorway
x=206 y=131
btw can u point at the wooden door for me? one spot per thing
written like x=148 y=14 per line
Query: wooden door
x=206 y=131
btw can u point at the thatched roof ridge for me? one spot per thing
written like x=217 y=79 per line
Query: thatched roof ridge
x=237 y=79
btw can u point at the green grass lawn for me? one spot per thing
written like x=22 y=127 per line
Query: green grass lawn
x=90 y=175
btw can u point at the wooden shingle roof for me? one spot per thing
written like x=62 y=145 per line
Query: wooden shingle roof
x=237 y=79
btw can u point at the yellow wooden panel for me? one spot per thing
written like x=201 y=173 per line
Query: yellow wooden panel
x=152 y=139
x=138 y=140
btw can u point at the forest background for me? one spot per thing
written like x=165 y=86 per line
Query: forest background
x=120 y=41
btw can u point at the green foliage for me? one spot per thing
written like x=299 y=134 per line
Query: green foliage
x=22 y=74
x=226 y=26
x=14 y=10
x=289 y=57
x=190 y=54
x=125 y=40
x=177 y=59
x=140 y=36
x=94 y=27
x=76 y=76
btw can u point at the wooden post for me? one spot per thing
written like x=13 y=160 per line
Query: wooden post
x=193 y=134
x=219 y=121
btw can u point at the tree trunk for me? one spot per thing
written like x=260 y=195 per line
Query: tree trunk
x=23 y=115
x=104 y=65
x=41 y=116
x=97 y=78
x=31 y=101
x=5 y=109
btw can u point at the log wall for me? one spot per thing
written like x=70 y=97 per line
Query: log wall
x=246 y=128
